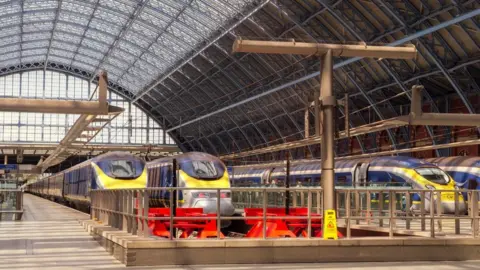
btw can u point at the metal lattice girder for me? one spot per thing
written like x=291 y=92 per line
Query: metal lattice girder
x=356 y=131
x=109 y=34
x=339 y=65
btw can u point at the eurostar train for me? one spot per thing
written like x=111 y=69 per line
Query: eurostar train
x=383 y=172
x=194 y=170
x=114 y=170
x=462 y=169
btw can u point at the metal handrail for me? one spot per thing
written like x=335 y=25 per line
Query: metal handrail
x=12 y=203
x=115 y=207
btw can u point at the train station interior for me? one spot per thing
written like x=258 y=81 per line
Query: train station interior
x=239 y=134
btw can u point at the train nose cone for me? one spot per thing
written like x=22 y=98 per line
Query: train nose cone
x=210 y=206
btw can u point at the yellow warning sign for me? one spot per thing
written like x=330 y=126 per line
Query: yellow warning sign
x=330 y=225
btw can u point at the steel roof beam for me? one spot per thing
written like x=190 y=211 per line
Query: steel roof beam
x=132 y=18
x=438 y=63
x=174 y=69
x=407 y=38
x=57 y=14
x=85 y=30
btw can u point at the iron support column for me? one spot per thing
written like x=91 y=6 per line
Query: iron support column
x=327 y=110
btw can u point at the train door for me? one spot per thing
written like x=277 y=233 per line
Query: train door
x=265 y=178
x=360 y=174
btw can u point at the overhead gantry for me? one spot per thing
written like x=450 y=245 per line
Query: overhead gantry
x=326 y=101
x=94 y=115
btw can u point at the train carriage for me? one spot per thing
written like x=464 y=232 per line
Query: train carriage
x=114 y=170
x=380 y=172
x=194 y=170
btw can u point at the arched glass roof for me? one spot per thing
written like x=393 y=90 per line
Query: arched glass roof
x=172 y=58
x=132 y=127
x=135 y=41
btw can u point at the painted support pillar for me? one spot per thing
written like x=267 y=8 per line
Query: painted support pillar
x=327 y=150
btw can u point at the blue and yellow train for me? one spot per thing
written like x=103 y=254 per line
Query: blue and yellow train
x=463 y=169
x=380 y=172
x=194 y=170
x=114 y=170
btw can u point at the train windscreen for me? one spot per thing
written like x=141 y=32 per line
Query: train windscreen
x=122 y=168
x=434 y=175
x=203 y=169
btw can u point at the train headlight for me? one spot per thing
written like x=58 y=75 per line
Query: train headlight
x=200 y=195
x=430 y=187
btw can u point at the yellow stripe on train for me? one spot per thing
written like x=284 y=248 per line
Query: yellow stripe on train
x=112 y=183
x=446 y=196
x=192 y=182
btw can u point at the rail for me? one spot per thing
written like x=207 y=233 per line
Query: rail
x=393 y=210
x=11 y=204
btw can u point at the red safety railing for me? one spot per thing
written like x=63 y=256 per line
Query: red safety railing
x=205 y=225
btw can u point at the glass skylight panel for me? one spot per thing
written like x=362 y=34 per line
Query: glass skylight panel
x=156 y=19
x=35 y=44
x=61 y=52
x=73 y=17
x=64 y=46
x=171 y=8
x=11 y=48
x=112 y=70
x=126 y=58
x=123 y=6
x=105 y=26
x=77 y=6
x=10 y=20
x=38 y=16
x=87 y=60
x=9 y=40
x=199 y=9
x=186 y=33
x=10 y=55
x=137 y=39
x=231 y=5
x=9 y=31
x=83 y=66
x=111 y=16
x=118 y=62
x=128 y=46
x=206 y=25
x=70 y=28
x=94 y=44
x=153 y=60
x=9 y=8
x=91 y=53
x=141 y=71
x=97 y=35
x=58 y=59
x=159 y=50
x=32 y=36
x=42 y=51
x=38 y=26
x=36 y=4
x=68 y=38
x=143 y=30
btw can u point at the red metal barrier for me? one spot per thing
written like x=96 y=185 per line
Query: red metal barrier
x=290 y=227
x=206 y=225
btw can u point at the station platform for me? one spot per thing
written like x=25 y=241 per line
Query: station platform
x=50 y=236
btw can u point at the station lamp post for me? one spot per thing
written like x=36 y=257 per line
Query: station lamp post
x=327 y=100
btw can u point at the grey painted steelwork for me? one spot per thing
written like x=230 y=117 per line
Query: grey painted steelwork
x=187 y=72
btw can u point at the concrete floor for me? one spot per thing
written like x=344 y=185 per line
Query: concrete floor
x=50 y=237
x=335 y=266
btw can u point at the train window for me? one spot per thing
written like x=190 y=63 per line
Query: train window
x=122 y=169
x=434 y=175
x=203 y=169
